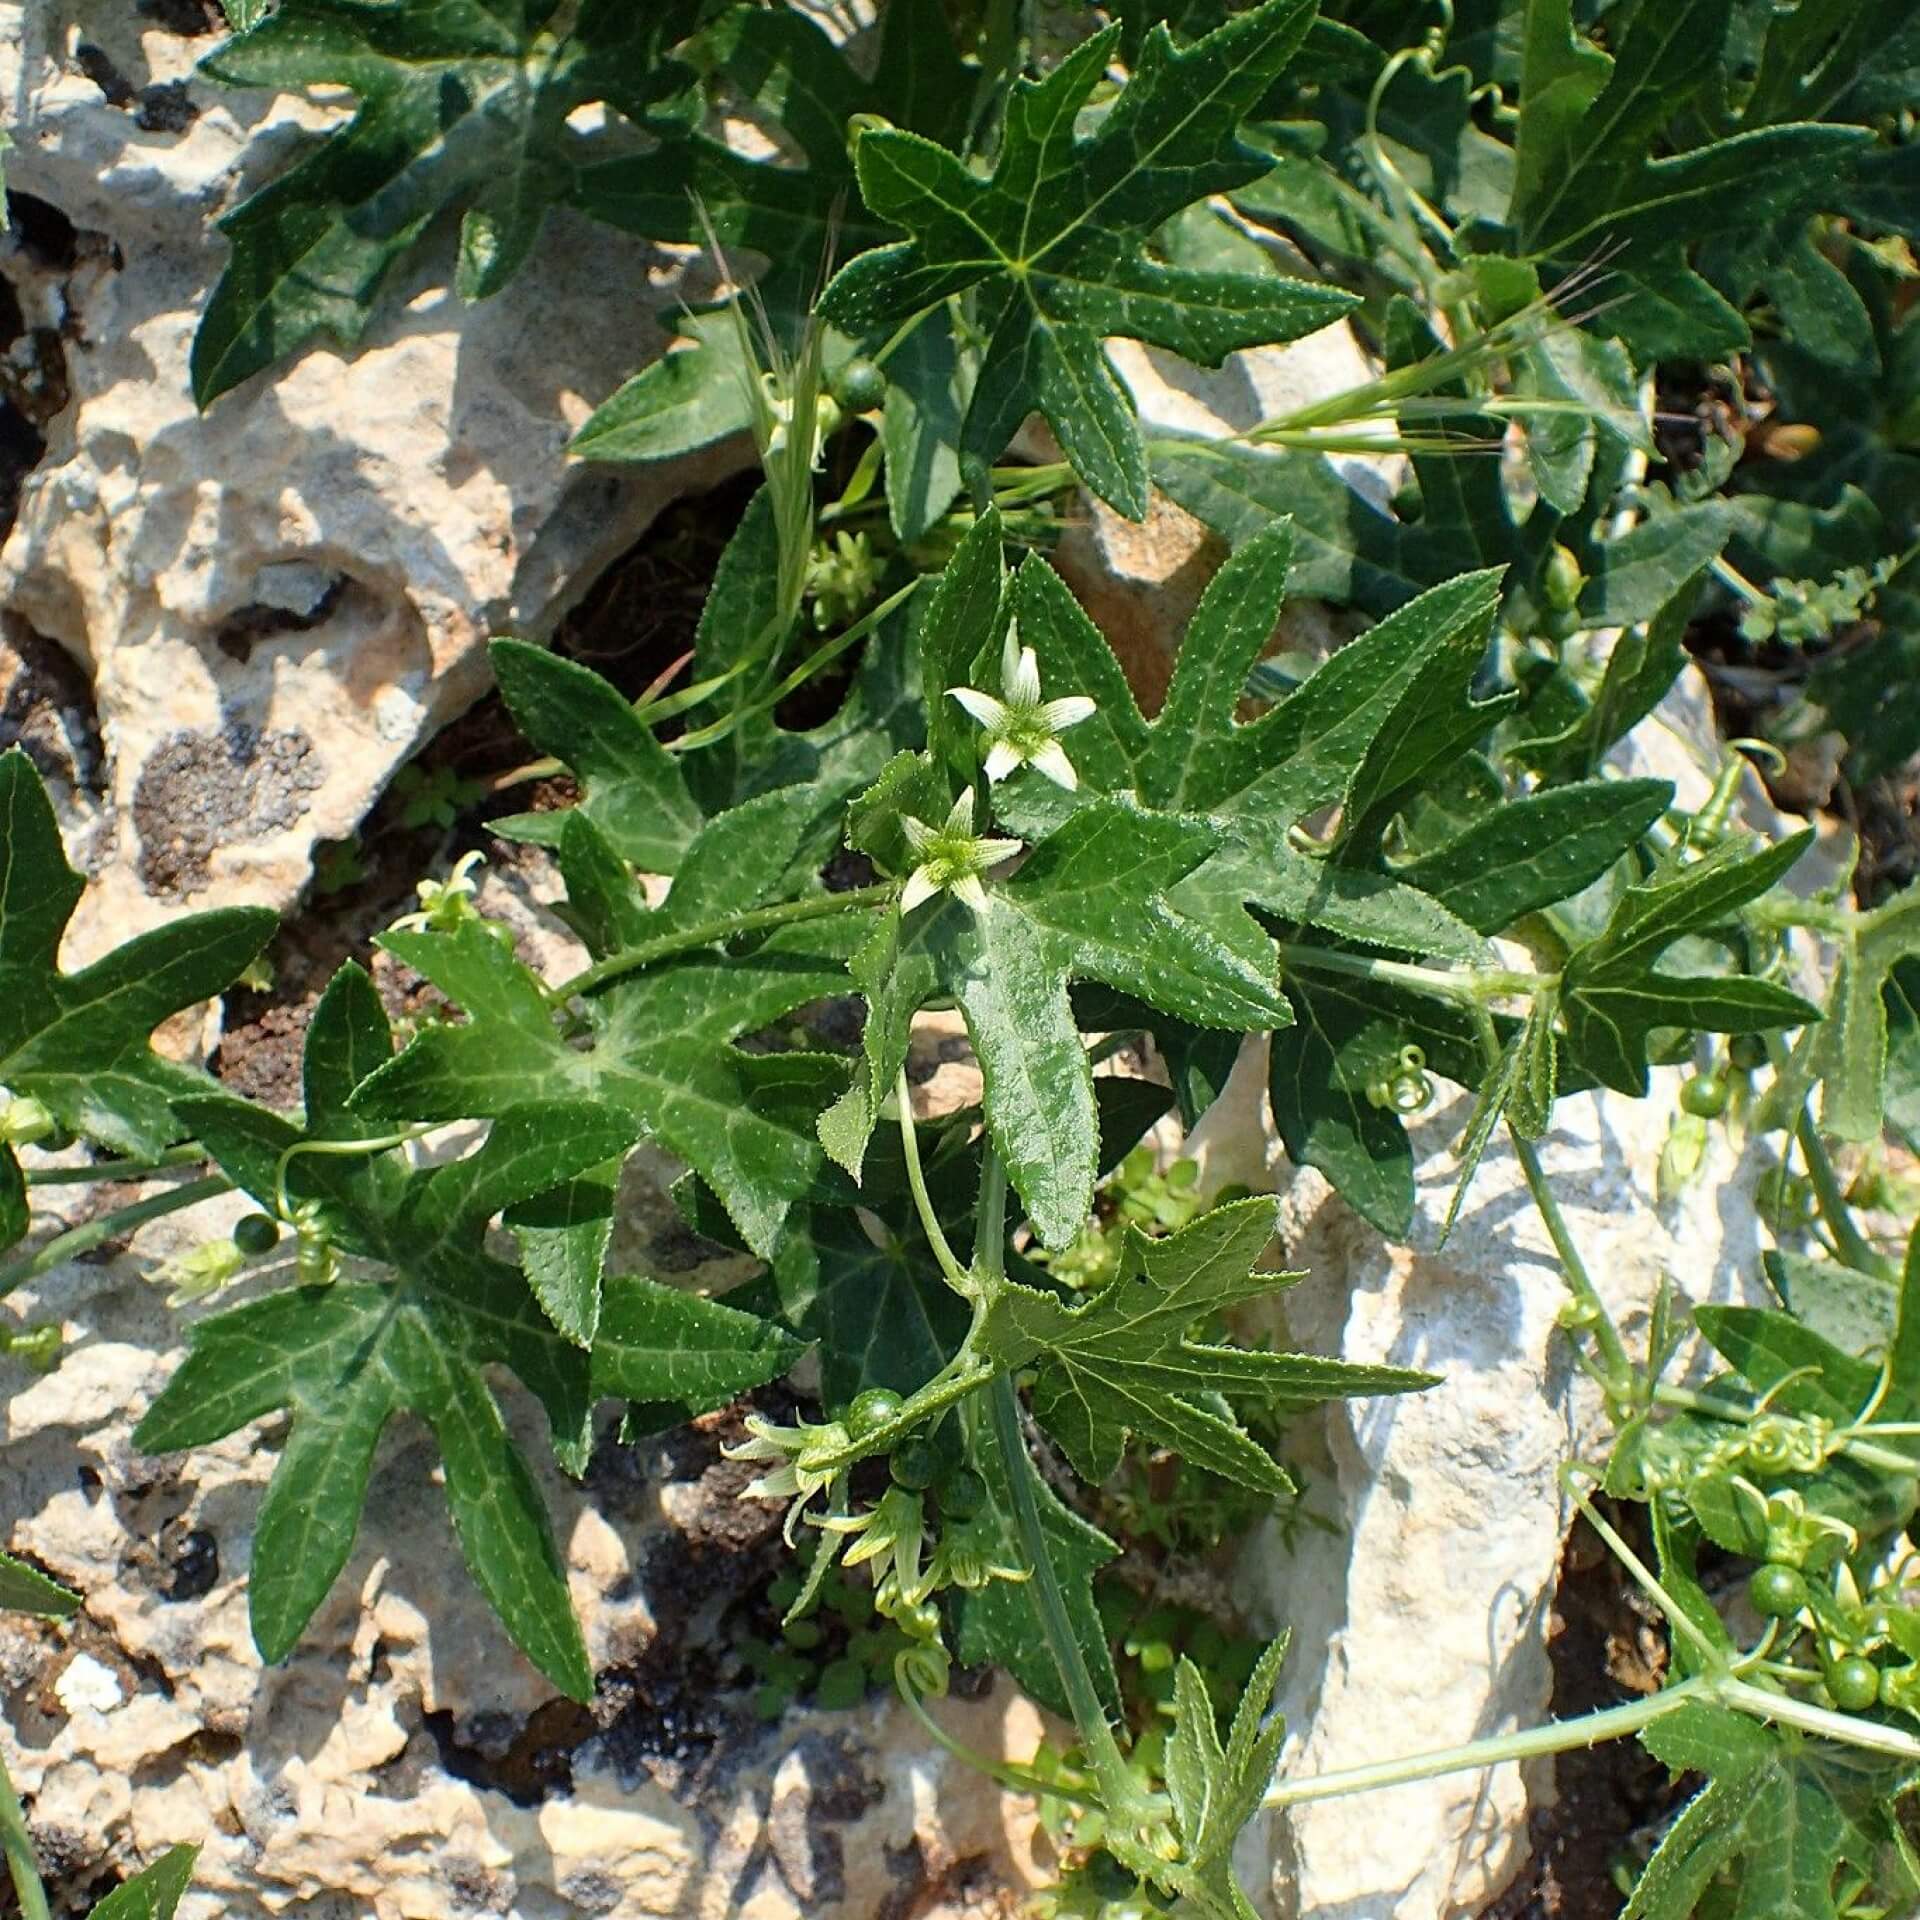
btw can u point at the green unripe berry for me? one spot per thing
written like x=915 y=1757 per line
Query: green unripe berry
x=914 y=1465
x=1562 y=580
x=1776 y=1592
x=1704 y=1096
x=962 y=1494
x=1747 y=1052
x=859 y=386
x=256 y=1234
x=1854 y=1683
x=873 y=1409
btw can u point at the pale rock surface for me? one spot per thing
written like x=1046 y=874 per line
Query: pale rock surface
x=1140 y=581
x=278 y=601
x=1424 y=1623
x=405 y=1763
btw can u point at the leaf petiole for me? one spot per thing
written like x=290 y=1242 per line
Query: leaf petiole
x=964 y=1283
x=186 y=1156
x=707 y=933
x=82 y=1239
x=1474 y=986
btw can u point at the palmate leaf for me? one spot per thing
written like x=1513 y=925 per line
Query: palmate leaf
x=1217 y=1790
x=1051 y=245
x=461 y=103
x=1092 y=902
x=1780 y=1827
x=1613 y=996
x=796 y=218
x=78 y=1042
x=1124 y=1361
x=345 y=1358
x=1591 y=173
x=660 y=1050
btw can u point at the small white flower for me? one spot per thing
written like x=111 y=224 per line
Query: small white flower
x=1021 y=728
x=951 y=859
x=797 y=1452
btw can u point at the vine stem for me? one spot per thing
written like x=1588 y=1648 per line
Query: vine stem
x=1619 y=1367
x=83 y=1239
x=1121 y=1796
x=703 y=933
x=1474 y=985
x=1561 y=1736
x=1016 y=1779
x=957 y=1277
x=18 y=1845
x=1851 y=1244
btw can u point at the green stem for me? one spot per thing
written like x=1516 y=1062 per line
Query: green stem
x=1846 y=1728
x=1678 y=1619
x=704 y=933
x=1620 y=1370
x=1473 y=985
x=1125 y=1804
x=1562 y=1736
x=18 y=1845
x=187 y=1156
x=952 y=1384
x=83 y=1239
x=1015 y=1779
x=1853 y=1246
x=956 y=1276
x=815 y=662
x=1885 y=1459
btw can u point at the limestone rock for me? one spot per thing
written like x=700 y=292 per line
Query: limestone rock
x=405 y=1763
x=1424 y=1623
x=277 y=601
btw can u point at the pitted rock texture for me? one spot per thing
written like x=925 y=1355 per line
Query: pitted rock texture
x=326 y=551
x=406 y=1763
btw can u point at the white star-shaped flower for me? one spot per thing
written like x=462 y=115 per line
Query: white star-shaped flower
x=951 y=858
x=1022 y=729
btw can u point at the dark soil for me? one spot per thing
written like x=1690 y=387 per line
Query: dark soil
x=1606 y=1648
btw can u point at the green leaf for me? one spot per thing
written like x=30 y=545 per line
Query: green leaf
x=1854 y=1310
x=460 y=103
x=1613 y=996
x=1217 y=1791
x=635 y=792
x=77 y=1042
x=1776 y=1355
x=1776 y=1825
x=25 y=1589
x=996 y=1625
x=1592 y=171
x=1849 y=1056
x=15 y=1213
x=794 y=218
x=1124 y=1361
x=1051 y=244
x=660 y=1048
x=1319 y=1072
x=563 y=1236
x=1536 y=851
x=154 y=1893
x=1094 y=901
x=345 y=1358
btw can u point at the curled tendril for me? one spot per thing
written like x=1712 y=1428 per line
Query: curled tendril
x=1408 y=1088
